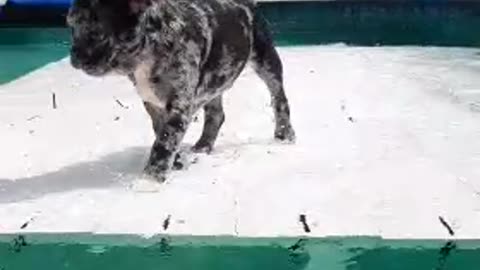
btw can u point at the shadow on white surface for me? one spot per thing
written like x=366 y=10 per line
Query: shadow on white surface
x=103 y=173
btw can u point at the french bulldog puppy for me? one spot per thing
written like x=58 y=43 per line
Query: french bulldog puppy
x=182 y=55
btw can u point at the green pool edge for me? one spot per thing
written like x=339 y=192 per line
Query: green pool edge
x=90 y=251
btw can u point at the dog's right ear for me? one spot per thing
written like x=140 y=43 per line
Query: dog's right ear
x=137 y=7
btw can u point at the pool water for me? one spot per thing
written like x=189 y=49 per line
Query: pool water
x=23 y=50
x=218 y=253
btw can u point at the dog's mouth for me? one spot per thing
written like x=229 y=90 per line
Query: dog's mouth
x=92 y=70
x=93 y=61
x=96 y=68
x=96 y=72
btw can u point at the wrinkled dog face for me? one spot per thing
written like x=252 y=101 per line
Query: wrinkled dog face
x=103 y=35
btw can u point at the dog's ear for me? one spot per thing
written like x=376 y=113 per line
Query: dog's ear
x=139 y=6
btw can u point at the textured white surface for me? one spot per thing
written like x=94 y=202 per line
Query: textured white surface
x=388 y=141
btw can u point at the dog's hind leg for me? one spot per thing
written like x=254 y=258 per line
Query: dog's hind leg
x=267 y=64
x=214 y=117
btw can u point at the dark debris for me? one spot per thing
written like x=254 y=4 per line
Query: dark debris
x=164 y=246
x=121 y=104
x=33 y=117
x=18 y=243
x=300 y=244
x=303 y=220
x=54 y=101
x=25 y=225
x=444 y=253
x=166 y=222
x=446 y=225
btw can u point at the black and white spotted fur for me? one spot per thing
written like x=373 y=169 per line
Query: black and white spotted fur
x=181 y=55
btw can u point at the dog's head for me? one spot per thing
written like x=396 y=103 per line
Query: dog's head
x=104 y=34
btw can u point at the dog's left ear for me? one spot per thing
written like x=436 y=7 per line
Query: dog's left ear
x=139 y=6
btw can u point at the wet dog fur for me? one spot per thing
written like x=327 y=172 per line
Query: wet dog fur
x=181 y=55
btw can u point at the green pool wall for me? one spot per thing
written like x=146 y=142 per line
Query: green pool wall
x=374 y=23
x=23 y=50
x=87 y=251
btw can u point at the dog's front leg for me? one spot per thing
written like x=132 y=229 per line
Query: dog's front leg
x=177 y=118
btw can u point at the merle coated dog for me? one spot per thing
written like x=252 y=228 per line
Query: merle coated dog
x=181 y=55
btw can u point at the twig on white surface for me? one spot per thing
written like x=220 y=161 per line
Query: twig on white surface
x=25 y=225
x=303 y=220
x=166 y=223
x=54 y=101
x=446 y=225
x=235 y=228
x=33 y=117
x=121 y=104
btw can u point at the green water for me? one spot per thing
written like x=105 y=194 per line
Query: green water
x=86 y=252
x=25 y=49
x=372 y=23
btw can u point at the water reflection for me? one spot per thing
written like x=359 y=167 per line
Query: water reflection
x=214 y=253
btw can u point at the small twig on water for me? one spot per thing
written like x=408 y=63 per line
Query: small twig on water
x=300 y=244
x=18 y=243
x=444 y=253
x=165 y=245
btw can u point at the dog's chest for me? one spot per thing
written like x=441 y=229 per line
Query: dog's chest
x=144 y=86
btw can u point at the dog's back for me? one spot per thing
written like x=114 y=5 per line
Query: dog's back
x=224 y=32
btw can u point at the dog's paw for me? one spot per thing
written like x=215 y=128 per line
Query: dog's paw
x=146 y=184
x=202 y=147
x=180 y=162
x=155 y=173
x=285 y=134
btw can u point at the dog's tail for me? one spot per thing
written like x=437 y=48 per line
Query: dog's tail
x=261 y=29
